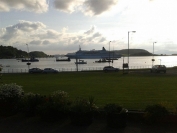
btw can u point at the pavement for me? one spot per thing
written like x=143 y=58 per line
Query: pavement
x=20 y=124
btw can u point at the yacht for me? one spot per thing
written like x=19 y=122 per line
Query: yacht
x=30 y=60
x=81 y=62
x=63 y=59
x=93 y=54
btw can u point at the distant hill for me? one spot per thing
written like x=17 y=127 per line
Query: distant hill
x=8 y=52
x=38 y=54
x=135 y=52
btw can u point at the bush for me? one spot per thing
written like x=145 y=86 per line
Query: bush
x=82 y=111
x=84 y=105
x=10 y=96
x=56 y=107
x=116 y=115
x=155 y=113
x=30 y=103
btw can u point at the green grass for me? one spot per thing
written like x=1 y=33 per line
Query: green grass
x=132 y=91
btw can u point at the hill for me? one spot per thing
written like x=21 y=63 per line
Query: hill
x=7 y=52
x=38 y=54
x=135 y=52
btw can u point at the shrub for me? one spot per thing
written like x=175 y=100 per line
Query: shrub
x=56 y=107
x=82 y=111
x=10 y=95
x=30 y=103
x=84 y=105
x=155 y=113
x=116 y=115
x=114 y=108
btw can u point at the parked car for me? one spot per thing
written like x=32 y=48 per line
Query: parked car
x=35 y=70
x=158 y=68
x=110 y=68
x=50 y=70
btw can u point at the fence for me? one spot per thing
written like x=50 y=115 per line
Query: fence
x=74 y=69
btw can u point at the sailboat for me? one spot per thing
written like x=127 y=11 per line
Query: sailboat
x=32 y=59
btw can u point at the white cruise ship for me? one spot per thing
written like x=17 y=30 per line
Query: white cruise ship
x=94 y=54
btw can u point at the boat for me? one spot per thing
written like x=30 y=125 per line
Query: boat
x=93 y=54
x=81 y=62
x=63 y=59
x=102 y=61
x=30 y=60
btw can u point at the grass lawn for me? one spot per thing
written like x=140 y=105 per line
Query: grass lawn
x=132 y=91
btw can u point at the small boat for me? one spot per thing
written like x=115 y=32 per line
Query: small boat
x=81 y=62
x=30 y=60
x=102 y=61
x=63 y=59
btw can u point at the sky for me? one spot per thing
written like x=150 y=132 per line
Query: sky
x=61 y=26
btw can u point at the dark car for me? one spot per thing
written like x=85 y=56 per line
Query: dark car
x=110 y=68
x=50 y=70
x=35 y=70
x=158 y=68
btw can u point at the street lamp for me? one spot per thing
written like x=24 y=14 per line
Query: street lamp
x=128 y=46
x=153 y=55
x=28 y=57
x=109 y=53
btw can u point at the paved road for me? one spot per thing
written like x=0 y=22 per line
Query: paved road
x=20 y=124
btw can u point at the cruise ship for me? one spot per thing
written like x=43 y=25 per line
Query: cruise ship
x=93 y=54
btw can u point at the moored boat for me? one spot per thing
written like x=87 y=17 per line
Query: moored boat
x=81 y=62
x=63 y=59
x=30 y=60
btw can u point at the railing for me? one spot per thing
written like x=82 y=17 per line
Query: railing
x=74 y=69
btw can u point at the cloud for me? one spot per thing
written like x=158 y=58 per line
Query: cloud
x=90 y=31
x=38 y=6
x=67 y=5
x=41 y=38
x=48 y=34
x=23 y=27
x=88 y=7
x=97 y=7
x=36 y=42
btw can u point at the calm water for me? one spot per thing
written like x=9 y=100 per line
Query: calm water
x=134 y=62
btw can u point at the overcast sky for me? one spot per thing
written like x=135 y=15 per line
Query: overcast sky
x=60 y=26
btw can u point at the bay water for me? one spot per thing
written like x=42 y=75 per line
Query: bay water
x=14 y=65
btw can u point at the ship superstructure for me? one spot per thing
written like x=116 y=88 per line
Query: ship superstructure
x=94 y=54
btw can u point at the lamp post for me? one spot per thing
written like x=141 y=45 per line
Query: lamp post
x=153 y=55
x=28 y=58
x=109 y=52
x=128 y=46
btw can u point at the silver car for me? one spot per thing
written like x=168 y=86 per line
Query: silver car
x=110 y=68
x=50 y=70
x=158 y=68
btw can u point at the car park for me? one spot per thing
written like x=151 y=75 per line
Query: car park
x=158 y=68
x=50 y=70
x=35 y=70
x=110 y=68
